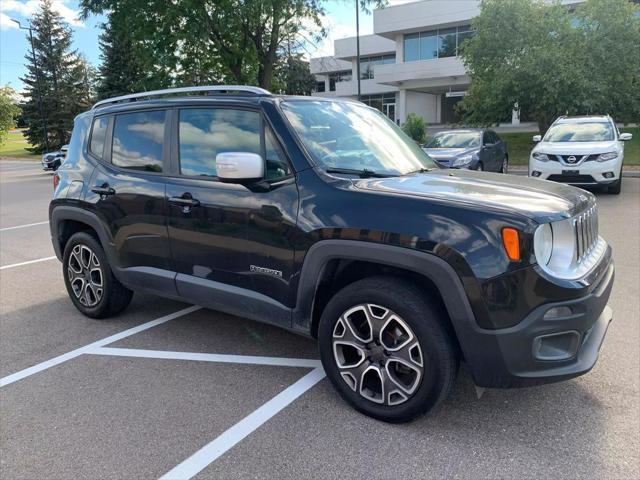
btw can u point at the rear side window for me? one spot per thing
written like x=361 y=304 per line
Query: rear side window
x=205 y=132
x=98 y=136
x=138 y=140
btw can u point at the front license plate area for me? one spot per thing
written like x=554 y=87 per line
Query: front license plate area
x=570 y=172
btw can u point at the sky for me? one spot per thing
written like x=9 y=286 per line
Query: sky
x=339 y=21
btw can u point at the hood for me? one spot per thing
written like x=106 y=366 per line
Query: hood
x=577 y=148
x=539 y=200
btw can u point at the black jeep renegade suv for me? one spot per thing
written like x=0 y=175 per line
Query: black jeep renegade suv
x=323 y=218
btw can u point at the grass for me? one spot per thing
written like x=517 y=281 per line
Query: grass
x=520 y=145
x=15 y=146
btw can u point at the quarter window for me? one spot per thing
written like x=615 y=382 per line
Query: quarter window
x=98 y=136
x=138 y=140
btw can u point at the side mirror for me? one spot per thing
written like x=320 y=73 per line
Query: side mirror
x=625 y=137
x=239 y=167
x=537 y=138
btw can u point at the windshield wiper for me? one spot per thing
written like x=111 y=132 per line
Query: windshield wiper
x=364 y=173
x=420 y=170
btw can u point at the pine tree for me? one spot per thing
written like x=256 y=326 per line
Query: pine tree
x=56 y=77
x=123 y=69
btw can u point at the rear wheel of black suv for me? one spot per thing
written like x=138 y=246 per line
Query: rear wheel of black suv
x=91 y=285
x=385 y=349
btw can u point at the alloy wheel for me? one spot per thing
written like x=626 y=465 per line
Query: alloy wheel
x=85 y=275
x=377 y=354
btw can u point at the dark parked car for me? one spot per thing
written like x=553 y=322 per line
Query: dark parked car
x=322 y=217
x=52 y=160
x=473 y=149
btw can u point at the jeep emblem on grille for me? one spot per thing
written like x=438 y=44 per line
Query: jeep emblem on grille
x=571 y=159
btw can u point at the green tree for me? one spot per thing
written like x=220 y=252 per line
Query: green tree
x=124 y=64
x=9 y=111
x=57 y=77
x=293 y=76
x=552 y=60
x=229 y=41
x=415 y=127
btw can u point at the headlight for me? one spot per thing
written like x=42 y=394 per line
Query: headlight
x=607 y=156
x=541 y=157
x=462 y=161
x=543 y=243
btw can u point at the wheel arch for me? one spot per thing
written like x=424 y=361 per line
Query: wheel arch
x=431 y=272
x=66 y=220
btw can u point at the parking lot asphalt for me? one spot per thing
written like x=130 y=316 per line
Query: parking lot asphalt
x=145 y=403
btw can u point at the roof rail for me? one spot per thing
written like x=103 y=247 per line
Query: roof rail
x=172 y=91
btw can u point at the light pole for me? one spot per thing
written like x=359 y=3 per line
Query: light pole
x=35 y=65
x=358 y=45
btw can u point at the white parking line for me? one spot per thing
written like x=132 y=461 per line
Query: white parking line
x=38 y=260
x=23 y=226
x=92 y=346
x=212 y=451
x=208 y=357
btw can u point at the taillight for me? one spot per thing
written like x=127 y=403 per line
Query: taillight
x=56 y=180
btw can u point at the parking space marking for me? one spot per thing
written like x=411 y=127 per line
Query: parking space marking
x=23 y=226
x=227 y=440
x=14 y=377
x=37 y=260
x=207 y=357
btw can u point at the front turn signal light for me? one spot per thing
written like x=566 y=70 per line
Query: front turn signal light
x=511 y=243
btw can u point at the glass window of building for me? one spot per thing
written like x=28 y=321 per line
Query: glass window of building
x=320 y=86
x=386 y=103
x=412 y=47
x=338 y=77
x=441 y=43
x=428 y=45
x=367 y=64
x=447 y=42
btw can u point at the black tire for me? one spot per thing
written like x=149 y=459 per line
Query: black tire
x=114 y=296
x=480 y=167
x=504 y=168
x=616 y=187
x=438 y=352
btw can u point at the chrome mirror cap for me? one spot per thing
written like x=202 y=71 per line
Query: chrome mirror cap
x=239 y=167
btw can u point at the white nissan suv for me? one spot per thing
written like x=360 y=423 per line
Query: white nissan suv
x=581 y=151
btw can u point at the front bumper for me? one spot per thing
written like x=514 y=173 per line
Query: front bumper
x=543 y=350
x=583 y=174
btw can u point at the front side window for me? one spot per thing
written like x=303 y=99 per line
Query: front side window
x=138 y=140
x=205 y=132
x=346 y=135
x=98 y=136
x=580 y=132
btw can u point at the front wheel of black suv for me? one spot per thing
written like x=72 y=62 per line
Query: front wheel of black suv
x=91 y=285
x=385 y=349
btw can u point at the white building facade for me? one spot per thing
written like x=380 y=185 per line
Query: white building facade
x=410 y=63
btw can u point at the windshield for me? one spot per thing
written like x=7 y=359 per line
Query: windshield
x=345 y=135
x=455 y=140
x=580 y=132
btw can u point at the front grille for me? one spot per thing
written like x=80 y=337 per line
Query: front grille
x=572 y=178
x=585 y=228
x=579 y=158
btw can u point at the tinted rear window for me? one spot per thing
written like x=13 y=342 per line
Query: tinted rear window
x=138 y=139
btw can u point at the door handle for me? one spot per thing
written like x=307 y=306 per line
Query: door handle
x=103 y=190
x=185 y=202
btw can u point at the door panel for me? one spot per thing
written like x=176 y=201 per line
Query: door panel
x=209 y=241
x=131 y=200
